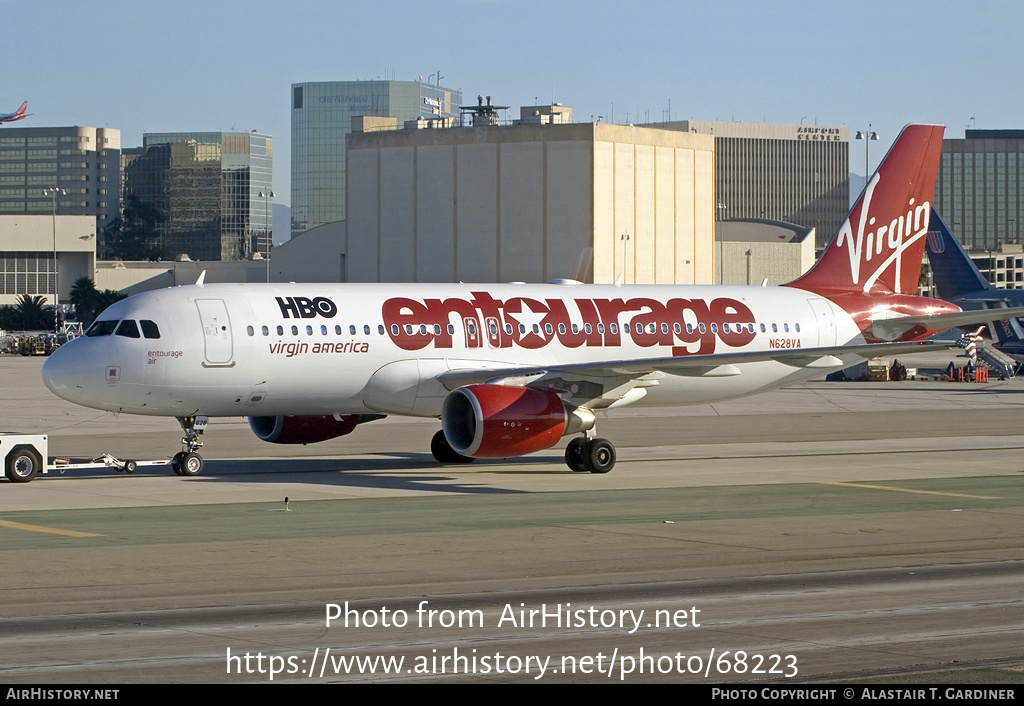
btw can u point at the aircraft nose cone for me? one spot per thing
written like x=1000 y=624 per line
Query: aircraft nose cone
x=62 y=373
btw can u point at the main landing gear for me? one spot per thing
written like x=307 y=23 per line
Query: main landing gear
x=582 y=454
x=187 y=462
x=590 y=455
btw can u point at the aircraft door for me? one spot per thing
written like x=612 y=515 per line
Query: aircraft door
x=219 y=345
x=824 y=321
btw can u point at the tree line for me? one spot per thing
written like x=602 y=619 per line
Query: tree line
x=32 y=313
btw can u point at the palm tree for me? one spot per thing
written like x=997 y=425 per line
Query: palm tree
x=32 y=315
x=89 y=302
x=83 y=298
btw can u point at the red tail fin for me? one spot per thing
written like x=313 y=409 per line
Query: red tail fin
x=880 y=246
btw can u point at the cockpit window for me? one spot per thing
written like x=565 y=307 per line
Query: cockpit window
x=128 y=329
x=102 y=328
x=149 y=329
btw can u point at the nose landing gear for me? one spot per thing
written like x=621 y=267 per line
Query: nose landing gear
x=187 y=462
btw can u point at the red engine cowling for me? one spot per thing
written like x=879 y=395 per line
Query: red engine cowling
x=498 y=421
x=303 y=429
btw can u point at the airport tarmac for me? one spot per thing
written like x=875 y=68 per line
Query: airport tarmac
x=823 y=532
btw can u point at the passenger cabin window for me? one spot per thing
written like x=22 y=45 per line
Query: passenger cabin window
x=149 y=328
x=128 y=329
x=102 y=328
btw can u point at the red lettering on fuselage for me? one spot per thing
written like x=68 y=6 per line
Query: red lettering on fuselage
x=530 y=323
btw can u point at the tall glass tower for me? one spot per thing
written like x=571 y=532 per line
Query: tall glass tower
x=212 y=190
x=322 y=115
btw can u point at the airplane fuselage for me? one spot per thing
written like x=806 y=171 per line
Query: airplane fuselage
x=255 y=350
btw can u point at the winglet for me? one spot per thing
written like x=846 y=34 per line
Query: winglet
x=202 y=278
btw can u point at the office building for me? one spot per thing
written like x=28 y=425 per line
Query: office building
x=212 y=190
x=322 y=115
x=67 y=171
x=797 y=174
x=980 y=189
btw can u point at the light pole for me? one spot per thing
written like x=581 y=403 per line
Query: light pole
x=867 y=136
x=267 y=195
x=52 y=192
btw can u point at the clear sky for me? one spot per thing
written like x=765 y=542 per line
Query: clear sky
x=183 y=65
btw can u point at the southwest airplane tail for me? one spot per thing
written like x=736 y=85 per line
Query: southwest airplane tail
x=17 y=115
x=510 y=369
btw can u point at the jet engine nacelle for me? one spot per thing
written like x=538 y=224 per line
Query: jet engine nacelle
x=303 y=429
x=499 y=421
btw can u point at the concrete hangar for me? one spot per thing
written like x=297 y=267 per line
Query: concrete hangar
x=523 y=202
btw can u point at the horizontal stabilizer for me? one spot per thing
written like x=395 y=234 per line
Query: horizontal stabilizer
x=889 y=329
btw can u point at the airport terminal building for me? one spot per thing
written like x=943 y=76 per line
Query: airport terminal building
x=35 y=248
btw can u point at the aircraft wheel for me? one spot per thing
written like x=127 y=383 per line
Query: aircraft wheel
x=574 y=455
x=443 y=451
x=176 y=463
x=130 y=466
x=191 y=464
x=23 y=464
x=599 y=456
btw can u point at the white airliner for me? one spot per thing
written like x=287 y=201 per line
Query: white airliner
x=511 y=369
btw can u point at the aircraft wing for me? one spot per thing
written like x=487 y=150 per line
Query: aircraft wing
x=713 y=365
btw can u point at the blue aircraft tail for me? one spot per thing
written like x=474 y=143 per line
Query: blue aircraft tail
x=953 y=271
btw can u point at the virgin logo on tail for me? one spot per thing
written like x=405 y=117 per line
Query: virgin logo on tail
x=884 y=252
x=889 y=240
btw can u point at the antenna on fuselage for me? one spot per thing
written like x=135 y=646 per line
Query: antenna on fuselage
x=202 y=277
